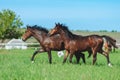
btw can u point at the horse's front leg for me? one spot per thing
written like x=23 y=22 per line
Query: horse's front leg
x=36 y=52
x=71 y=56
x=65 y=56
x=77 y=55
x=83 y=57
x=50 y=57
x=90 y=53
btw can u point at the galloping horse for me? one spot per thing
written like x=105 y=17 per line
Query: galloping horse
x=76 y=43
x=47 y=43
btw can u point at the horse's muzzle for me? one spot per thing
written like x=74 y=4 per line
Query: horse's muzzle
x=23 y=39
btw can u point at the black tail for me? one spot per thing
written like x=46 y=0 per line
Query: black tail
x=111 y=41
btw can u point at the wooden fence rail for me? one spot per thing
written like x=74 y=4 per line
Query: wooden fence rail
x=3 y=44
x=32 y=44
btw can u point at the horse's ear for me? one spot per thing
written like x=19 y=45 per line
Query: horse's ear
x=28 y=26
x=55 y=23
x=58 y=23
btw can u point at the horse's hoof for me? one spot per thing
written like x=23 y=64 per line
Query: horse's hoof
x=110 y=65
x=32 y=62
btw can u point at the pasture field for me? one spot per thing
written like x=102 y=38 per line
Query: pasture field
x=16 y=65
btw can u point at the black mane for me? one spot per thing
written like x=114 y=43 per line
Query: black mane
x=69 y=33
x=40 y=28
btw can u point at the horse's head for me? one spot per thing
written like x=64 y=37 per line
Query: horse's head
x=56 y=30
x=27 y=33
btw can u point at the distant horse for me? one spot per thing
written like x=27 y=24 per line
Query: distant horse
x=74 y=43
x=47 y=43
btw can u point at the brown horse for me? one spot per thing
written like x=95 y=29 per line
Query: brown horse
x=47 y=43
x=74 y=43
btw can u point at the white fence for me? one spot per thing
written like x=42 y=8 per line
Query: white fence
x=118 y=45
x=2 y=45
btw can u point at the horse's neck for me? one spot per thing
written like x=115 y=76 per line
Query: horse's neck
x=65 y=37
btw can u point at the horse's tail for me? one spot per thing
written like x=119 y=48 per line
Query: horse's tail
x=111 y=41
x=104 y=47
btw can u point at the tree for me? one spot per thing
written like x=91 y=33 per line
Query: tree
x=10 y=24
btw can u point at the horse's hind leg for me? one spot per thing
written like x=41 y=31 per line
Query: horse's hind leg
x=108 y=61
x=36 y=52
x=107 y=57
x=94 y=56
x=65 y=56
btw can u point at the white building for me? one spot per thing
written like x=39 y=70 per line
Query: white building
x=16 y=44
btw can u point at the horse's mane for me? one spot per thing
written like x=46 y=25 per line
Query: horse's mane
x=40 y=28
x=69 y=33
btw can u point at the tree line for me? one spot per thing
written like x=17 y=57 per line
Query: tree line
x=10 y=24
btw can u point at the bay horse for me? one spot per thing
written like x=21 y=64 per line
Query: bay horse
x=74 y=43
x=47 y=43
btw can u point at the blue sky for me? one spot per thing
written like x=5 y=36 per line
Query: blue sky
x=93 y=15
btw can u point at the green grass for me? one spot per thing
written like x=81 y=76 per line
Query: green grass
x=16 y=65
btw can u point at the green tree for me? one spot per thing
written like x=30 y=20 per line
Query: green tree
x=10 y=25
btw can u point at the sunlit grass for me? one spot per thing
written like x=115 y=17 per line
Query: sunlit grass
x=16 y=65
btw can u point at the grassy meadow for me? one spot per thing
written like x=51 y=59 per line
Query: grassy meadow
x=16 y=65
